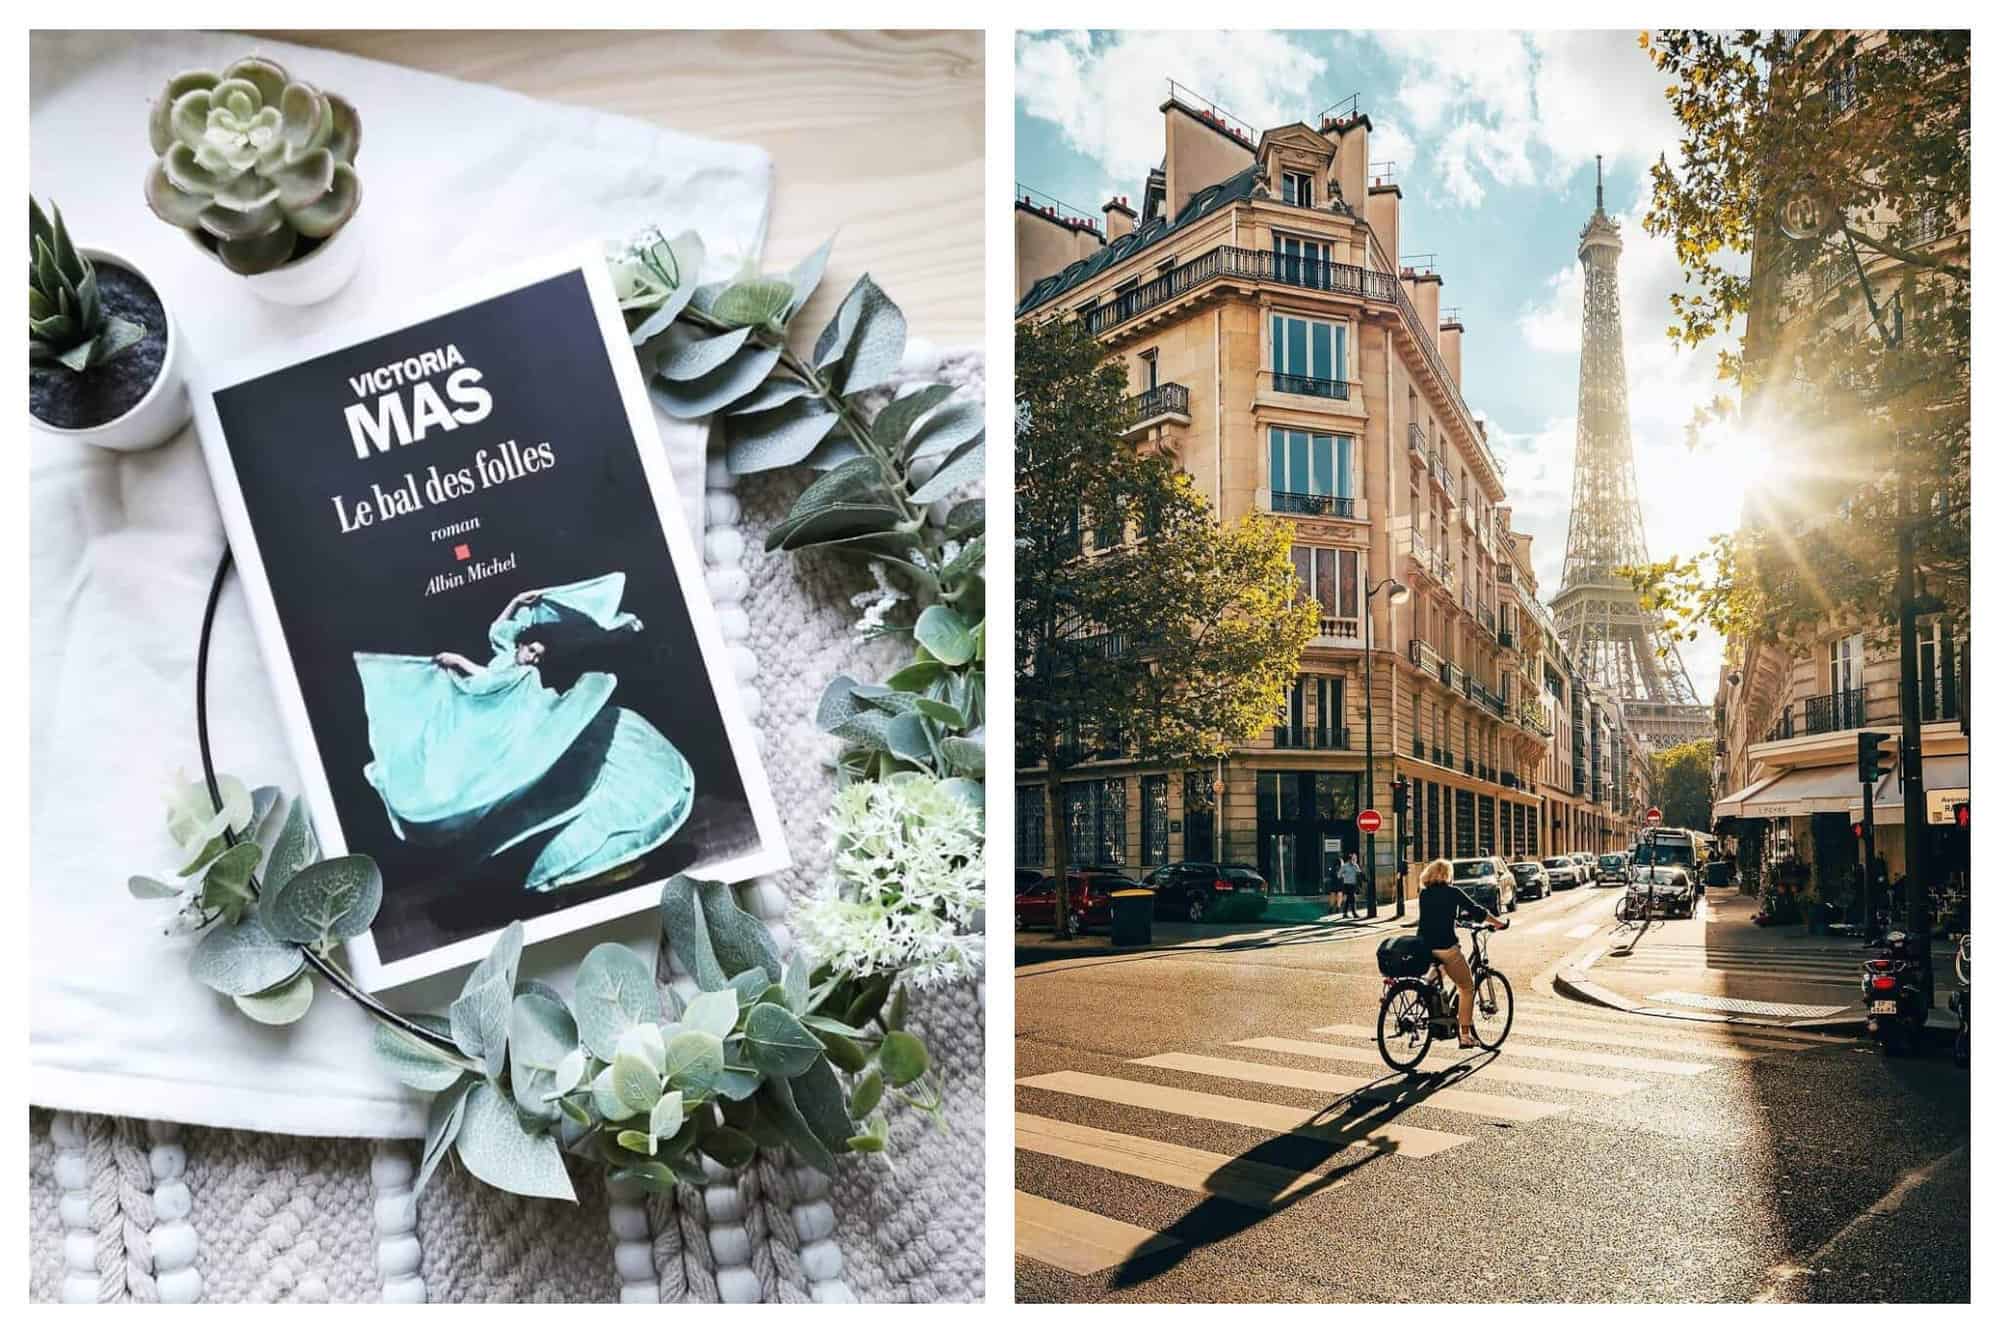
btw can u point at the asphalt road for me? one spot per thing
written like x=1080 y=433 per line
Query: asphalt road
x=1187 y=1129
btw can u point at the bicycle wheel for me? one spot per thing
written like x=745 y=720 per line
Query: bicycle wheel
x=1403 y=1027
x=1627 y=911
x=1492 y=1008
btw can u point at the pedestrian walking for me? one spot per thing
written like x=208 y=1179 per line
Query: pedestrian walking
x=1350 y=879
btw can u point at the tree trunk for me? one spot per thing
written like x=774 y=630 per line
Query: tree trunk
x=1058 y=826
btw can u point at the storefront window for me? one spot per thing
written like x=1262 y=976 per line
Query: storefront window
x=1031 y=826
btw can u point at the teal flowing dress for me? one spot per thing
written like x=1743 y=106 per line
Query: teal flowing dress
x=491 y=760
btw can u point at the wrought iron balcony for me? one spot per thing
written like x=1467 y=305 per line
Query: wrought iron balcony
x=1298 y=502
x=1781 y=729
x=1311 y=386
x=1297 y=736
x=1160 y=400
x=1426 y=658
x=1419 y=446
x=1444 y=758
x=1468 y=765
x=1838 y=711
x=1506 y=636
x=1417 y=746
x=1509 y=778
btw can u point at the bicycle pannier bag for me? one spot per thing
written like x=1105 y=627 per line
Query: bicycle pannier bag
x=1403 y=956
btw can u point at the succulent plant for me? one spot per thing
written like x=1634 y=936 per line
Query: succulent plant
x=255 y=165
x=67 y=321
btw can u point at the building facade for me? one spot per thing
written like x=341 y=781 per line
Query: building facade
x=1293 y=368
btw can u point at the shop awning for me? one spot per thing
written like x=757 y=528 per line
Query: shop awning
x=1947 y=778
x=1731 y=806
x=1827 y=790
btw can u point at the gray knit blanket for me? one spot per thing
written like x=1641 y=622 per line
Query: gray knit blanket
x=133 y=1210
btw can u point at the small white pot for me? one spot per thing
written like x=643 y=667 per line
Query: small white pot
x=155 y=418
x=318 y=276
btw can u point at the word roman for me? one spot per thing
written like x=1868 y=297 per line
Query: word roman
x=507 y=462
x=388 y=421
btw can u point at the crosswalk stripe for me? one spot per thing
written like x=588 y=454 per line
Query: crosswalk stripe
x=1637 y=967
x=1580 y=931
x=1445 y=1054
x=1254 y=1184
x=1368 y=1089
x=1637 y=1064
x=1692 y=1043
x=1409 y=1140
x=1697 y=1036
x=1666 y=1023
x=1077 y=1241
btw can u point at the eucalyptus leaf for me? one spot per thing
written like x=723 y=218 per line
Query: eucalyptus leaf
x=446 y=1118
x=244 y=958
x=614 y=991
x=636 y=1083
x=145 y=886
x=293 y=851
x=731 y=1147
x=225 y=884
x=646 y=1042
x=194 y=821
x=797 y=983
x=837 y=448
x=947 y=428
x=686 y=925
x=604 y=1096
x=281 y=1005
x=748 y=302
x=687 y=355
x=823 y=1103
x=653 y=1177
x=962 y=468
x=735 y=1083
x=496 y=1148
x=862 y=345
x=263 y=800
x=740 y=940
x=944 y=632
x=903 y=1058
x=777 y=436
x=694 y=1062
x=967 y=754
x=893 y=423
x=907 y=737
x=570 y=1072
x=326 y=902
x=776 y=1044
x=805 y=275
x=840 y=521
x=846 y=1054
x=668 y=1114
x=773 y=392
x=480 y=1014
x=412 y=1062
x=638 y=1141
x=899 y=1010
x=710 y=393
x=940 y=712
x=781 y=1124
x=540 y=1032
x=688 y=254
x=746 y=986
x=915 y=676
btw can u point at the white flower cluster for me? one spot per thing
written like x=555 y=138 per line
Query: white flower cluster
x=909 y=879
x=875 y=603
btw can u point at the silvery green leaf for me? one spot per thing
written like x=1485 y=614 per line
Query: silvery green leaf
x=903 y=1058
x=916 y=675
x=634 y=1082
x=193 y=820
x=749 y=302
x=281 y=1005
x=668 y=1114
x=772 y=392
x=540 y=1032
x=944 y=633
x=604 y=1094
x=635 y=1141
x=967 y=518
x=907 y=737
x=480 y=1014
x=686 y=355
x=837 y=703
x=841 y=521
x=244 y=959
x=494 y=1147
x=570 y=1072
x=947 y=428
x=293 y=851
x=446 y=1118
x=892 y=424
x=776 y=1044
x=646 y=1043
x=837 y=448
x=686 y=925
x=822 y=1024
x=967 y=790
x=864 y=338
x=145 y=886
x=964 y=753
x=822 y=1101
x=940 y=712
x=965 y=466
x=780 y=1121
x=200 y=859
x=688 y=254
x=263 y=801
x=694 y=1062
x=412 y=1062
x=614 y=990
x=653 y=1177
x=225 y=884
x=798 y=983
x=731 y=1147
x=805 y=275
x=735 y=1082
x=717 y=389
x=713 y=1012
x=741 y=941
x=778 y=436
x=326 y=902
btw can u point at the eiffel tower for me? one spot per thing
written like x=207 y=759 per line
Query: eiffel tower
x=1615 y=642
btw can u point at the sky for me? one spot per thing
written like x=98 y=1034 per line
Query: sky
x=1495 y=137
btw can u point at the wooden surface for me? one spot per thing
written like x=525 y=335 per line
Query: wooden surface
x=878 y=134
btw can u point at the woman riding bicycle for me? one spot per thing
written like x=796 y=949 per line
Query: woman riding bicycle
x=1439 y=904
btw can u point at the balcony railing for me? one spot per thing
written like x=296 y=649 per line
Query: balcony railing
x=1417 y=746
x=1298 y=502
x=1505 y=573
x=1426 y=659
x=1311 y=386
x=1340 y=627
x=1781 y=729
x=1160 y=400
x=1486 y=620
x=1506 y=636
x=1419 y=446
x=1288 y=736
x=1468 y=766
x=1837 y=711
x=1444 y=758
x=1509 y=778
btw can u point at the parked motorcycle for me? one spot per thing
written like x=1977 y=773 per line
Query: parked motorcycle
x=1896 y=990
x=1961 y=1003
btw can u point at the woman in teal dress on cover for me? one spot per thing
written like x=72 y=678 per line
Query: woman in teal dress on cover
x=489 y=756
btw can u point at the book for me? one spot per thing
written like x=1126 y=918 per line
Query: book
x=484 y=617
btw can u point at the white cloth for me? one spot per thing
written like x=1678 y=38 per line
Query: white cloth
x=122 y=547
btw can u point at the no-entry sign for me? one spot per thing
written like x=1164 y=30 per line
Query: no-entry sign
x=1653 y=817
x=1368 y=821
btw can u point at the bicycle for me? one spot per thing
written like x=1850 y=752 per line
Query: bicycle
x=1416 y=1010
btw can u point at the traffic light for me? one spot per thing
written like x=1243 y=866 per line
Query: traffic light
x=1399 y=795
x=1961 y=813
x=1868 y=755
x=1857 y=828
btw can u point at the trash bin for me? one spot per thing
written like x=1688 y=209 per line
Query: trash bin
x=1132 y=917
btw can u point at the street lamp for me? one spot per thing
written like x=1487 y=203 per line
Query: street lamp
x=1398 y=594
x=1806 y=215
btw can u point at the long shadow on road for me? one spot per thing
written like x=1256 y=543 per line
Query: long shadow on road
x=1094 y=953
x=1283 y=1170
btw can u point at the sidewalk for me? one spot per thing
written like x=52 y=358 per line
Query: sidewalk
x=1721 y=967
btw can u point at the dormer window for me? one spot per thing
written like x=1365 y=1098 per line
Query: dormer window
x=1298 y=188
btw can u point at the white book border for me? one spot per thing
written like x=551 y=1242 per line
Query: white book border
x=771 y=855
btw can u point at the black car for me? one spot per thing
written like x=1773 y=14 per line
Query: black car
x=1530 y=880
x=1613 y=869
x=1189 y=888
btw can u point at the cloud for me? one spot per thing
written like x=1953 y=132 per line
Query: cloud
x=1104 y=90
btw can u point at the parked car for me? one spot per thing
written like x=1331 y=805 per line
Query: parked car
x=1719 y=874
x=1026 y=879
x=1487 y=881
x=1089 y=901
x=1612 y=869
x=1673 y=889
x=1530 y=880
x=1586 y=867
x=1190 y=888
x=1561 y=872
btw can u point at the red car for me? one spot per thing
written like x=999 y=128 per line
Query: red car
x=1089 y=901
